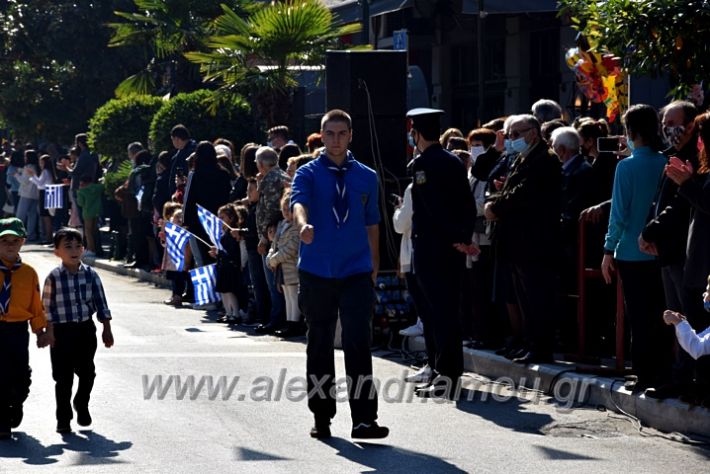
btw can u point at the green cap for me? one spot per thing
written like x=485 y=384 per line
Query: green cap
x=12 y=226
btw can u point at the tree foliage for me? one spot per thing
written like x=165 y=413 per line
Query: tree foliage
x=120 y=122
x=164 y=30
x=651 y=36
x=56 y=68
x=234 y=121
x=251 y=57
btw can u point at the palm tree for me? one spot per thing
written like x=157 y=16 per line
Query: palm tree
x=164 y=30
x=251 y=57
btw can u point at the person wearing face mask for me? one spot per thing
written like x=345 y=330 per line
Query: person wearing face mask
x=526 y=212
x=635 y=185
x=603 y=162
x=666 y=234
x=442 y=225
x=577 y=194
x=486 y=324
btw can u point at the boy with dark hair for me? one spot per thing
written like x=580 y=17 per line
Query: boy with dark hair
x=72 y=294
x=19 y=303
x=277 y=137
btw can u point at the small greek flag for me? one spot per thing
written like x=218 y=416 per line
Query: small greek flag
x=176 y=238
x=211 y=224
x=54 y=196
x=204 y=280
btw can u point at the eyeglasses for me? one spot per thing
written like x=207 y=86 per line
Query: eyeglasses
x=517 y=133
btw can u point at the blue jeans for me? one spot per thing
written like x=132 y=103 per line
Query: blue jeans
x=28 y=213
x=278 y=305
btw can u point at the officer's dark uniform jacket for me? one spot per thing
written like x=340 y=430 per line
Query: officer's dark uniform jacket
x=444 y=209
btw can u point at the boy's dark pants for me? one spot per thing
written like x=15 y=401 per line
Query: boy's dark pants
x=14 y=368
x=322 y=301
x=73 y=353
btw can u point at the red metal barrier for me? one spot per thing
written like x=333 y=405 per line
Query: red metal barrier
x=584 y=274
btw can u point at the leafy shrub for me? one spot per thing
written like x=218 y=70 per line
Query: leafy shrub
x=121 y=121
x=232 y=120
x=114 y=179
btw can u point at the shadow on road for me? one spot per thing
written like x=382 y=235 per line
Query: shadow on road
x=385 y=458
x=93 y=447
x=507 y=414
x=29 y=449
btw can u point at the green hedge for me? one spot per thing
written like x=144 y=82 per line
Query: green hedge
x=233 y=121
x=121 y=121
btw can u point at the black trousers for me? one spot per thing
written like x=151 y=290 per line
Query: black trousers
x=487 y=324
x=535 y=290
x=322 y=301
x=420 y=306
x=651 y=339
x=15 y=369
x=73 y=353
x=438 y=270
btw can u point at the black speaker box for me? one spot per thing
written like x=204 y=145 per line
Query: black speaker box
x=349 y=75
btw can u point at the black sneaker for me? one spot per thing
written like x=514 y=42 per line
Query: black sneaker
x=16 y=415
x=63 y=427
x=83 y=417
x=321 y=430
x=369 y=431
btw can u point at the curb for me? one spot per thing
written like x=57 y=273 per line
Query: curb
x=117 y=267
x=561 y=381
x=557 y=380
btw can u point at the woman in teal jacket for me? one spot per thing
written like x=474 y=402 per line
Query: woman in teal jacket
x=635 y=187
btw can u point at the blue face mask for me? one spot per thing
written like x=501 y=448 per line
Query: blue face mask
x=270 y=144
x=630 y=144
x=508 y=144
x=706 y=305
x=411 y=141
x=519 y=145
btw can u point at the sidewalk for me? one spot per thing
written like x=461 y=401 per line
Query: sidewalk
x=553 y=379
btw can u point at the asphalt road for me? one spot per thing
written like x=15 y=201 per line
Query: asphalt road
x=141 y=427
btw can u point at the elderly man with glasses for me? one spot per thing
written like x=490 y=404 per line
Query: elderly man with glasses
x=527 y=215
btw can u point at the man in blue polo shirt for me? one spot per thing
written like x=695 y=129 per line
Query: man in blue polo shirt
x=335 y=205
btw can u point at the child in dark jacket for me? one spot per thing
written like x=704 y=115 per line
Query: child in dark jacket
x=229 y=264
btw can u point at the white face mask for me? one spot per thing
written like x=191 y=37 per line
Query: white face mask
x=477 y=151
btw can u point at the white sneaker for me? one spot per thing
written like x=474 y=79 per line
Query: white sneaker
x=415 y=330
x=423 y=375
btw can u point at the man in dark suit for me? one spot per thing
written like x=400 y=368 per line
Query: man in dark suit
x=666 y=236
x=527 y=215
x=180 y=137
x=577 y=194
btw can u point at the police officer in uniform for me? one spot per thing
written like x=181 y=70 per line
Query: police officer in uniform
x=442 y=227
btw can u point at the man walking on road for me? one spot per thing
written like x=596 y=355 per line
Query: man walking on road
x=335 y=205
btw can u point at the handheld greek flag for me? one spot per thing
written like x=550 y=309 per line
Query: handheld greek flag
x=54 y=196
x=204 y=280
x=176 y=238
x=211 y=224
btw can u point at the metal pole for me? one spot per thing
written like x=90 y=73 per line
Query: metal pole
x=479 y=53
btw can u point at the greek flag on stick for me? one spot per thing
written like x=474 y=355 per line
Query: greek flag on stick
x=211 y=224
x=176 y=238
x=53 y=196
x=204 y=280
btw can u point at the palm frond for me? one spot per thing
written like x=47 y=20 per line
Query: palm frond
x=142 y=83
